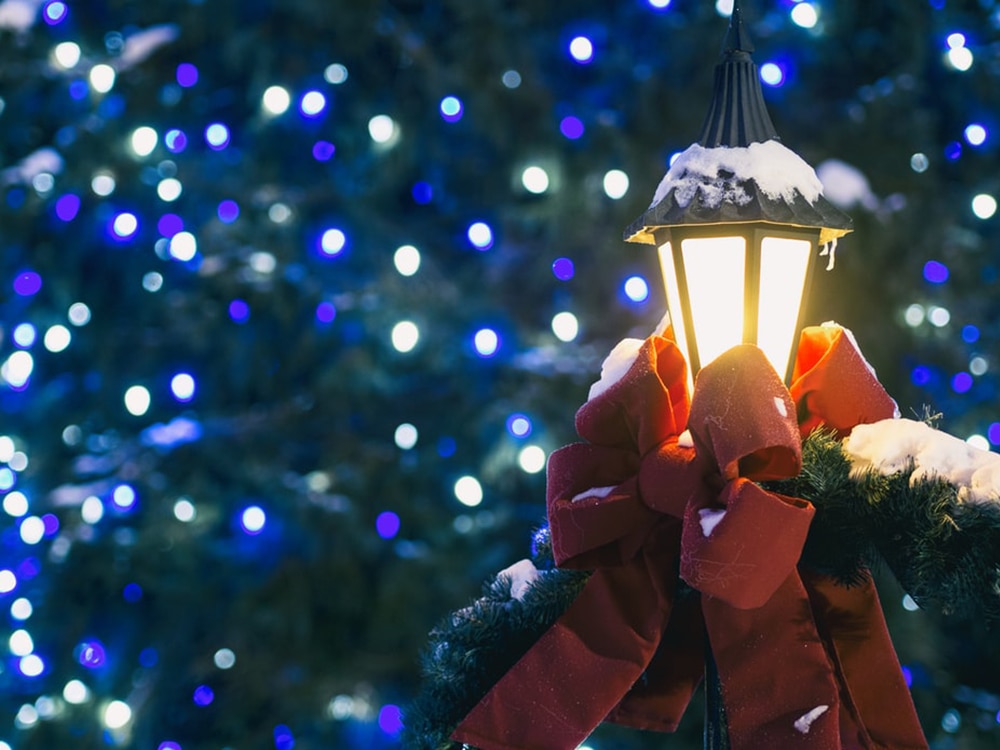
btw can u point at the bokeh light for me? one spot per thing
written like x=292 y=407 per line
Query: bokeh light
x=405 y=336
x=480 y=235
x=581 y=49
x=486 y=342
x=451 y=108
x=468 y=491
x=565 y=326
x=253 y=519
x=407 y=260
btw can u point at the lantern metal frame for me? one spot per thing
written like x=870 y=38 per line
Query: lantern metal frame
x=753 y=235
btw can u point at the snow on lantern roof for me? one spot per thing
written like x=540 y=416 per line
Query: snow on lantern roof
x=738 y=172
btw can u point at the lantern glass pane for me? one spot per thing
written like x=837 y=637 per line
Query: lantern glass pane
x=783 y=266
x=714 y=268
x=674 y=300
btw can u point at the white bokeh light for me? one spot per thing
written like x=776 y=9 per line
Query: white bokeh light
x=535 y=179
x=137 y=400
x=57 y=338
x=468 y=491
x=276 y=100
x=405 y=335
x=66 y=54
x=383 y=130
x=805 y=15
x=144 y=140
x=75 y=692
x=565 y=326
x=406 y=436
x=116 y=714
x=531 y=459
x=615 y=184
x=984 y=206
x=184 y=510
x=407 y=260
x=102 y=78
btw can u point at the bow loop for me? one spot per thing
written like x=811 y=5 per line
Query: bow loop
x=827 y=357
x=743 y=416
x=647 y=405
x=594 y=511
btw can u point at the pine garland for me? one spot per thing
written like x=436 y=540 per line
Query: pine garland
x=471 y=649
x=945 y=553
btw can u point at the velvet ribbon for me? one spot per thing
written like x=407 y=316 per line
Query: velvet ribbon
x=803 y=662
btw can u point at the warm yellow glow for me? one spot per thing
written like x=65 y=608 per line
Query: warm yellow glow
x=674 y=300
x=715 y=269
x=783 y=265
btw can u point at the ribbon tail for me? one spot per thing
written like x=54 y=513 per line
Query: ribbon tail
x=777 y=682
x=580 y=668
x=658 y=700
x=852 y=622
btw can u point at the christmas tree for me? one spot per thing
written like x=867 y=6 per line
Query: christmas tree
x=298 y=297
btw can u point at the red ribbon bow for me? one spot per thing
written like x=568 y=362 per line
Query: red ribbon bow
x=802 y=661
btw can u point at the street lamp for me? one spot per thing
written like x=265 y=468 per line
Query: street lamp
x=738 y=221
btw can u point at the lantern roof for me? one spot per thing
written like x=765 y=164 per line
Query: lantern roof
x=755 y=178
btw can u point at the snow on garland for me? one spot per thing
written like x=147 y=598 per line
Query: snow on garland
x=895 y=493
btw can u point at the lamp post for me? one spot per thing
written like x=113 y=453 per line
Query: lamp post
x=738 y=222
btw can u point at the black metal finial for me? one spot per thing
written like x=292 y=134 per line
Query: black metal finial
x=737 y=118
x=738 y=115
x=737 y=39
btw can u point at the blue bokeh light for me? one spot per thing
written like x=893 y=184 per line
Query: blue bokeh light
x=312 y=104
x=563 y=269
x=187 y=75
x=390 y=719
x=25 y=335
x=480 y=235
x=387 y=524
x=253 y=520
x=132 y=593
x=993 y=433
x=217 y=136
x=772 y=74
x=636 y=289
x=27 y=283
x=67 y=207
x=451 y=109
x=323 y=150
x=571 y=127
x=970 y=334
x=519 y=425
x=175 y=140
x=332 y=242
x=961 y=382
x=124 y=497
x=203 y=695
x=239 y=311
x=326 y=312
x=124 y=226
x=91 y=654
x=55 y=12
x=422 y=193
x=169 y=225
x=283 y=738
x=228 y=211
x=920 y=375
x=935 y=272
x=953 y=151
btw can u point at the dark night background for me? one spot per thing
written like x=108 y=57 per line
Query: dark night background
x=130 y=569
